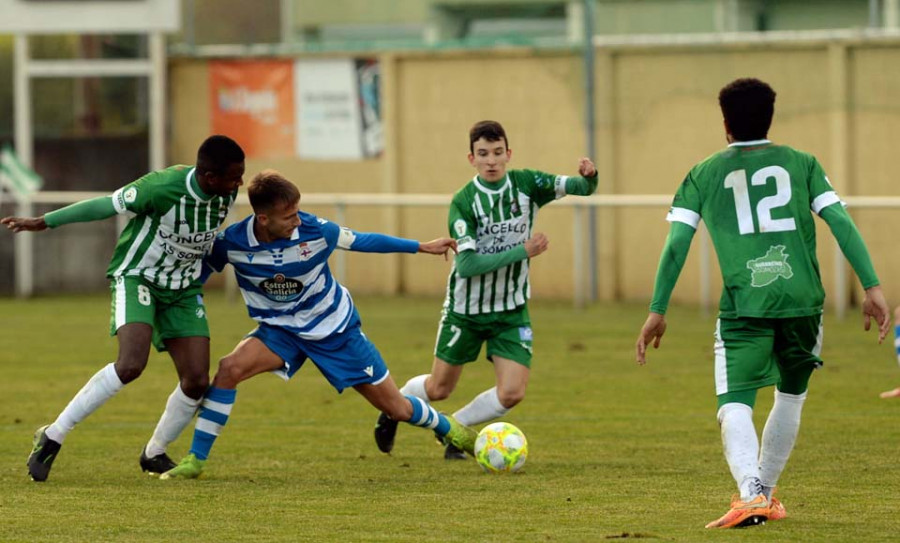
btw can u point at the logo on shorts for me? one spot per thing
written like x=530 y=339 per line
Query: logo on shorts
x=370 y=371
x=525 y=333
x=200 y=313
x=281 y=288
x=130 y=195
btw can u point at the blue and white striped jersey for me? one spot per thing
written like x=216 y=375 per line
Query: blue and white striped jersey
x=287 y=282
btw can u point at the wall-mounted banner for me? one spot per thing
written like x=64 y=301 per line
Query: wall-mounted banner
x=252 y=102
x=338 y=109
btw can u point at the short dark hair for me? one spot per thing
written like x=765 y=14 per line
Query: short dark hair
x=489 y=130
x=268 y=189
x=748 y=105
x=217 y=153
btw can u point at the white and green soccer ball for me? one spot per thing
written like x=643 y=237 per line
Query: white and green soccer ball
x=501 y=447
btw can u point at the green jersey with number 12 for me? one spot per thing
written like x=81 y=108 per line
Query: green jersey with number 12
x=491 y=218
x=173 y=225
x=757 y=200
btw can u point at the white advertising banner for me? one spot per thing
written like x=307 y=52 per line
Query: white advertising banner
x=337 y=109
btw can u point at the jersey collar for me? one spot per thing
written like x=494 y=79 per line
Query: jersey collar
x=484 y=186
x=752 y=143
x=194 y=187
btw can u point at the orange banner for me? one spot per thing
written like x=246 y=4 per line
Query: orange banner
x=253 y=103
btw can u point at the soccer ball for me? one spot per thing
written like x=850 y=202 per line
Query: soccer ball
x=501 y=447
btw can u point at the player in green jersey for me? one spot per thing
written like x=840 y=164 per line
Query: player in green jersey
x=156 y=292
x=491 y=218
x=757 y=200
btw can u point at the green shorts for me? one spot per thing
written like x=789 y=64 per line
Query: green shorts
x=507 y=333
x=171 y=313
x=751 y=353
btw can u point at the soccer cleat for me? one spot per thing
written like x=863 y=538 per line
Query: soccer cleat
x=461 y=437
x=42 y=455
x=741 y=514
x=776 y=509
x=157 y=465
x=385 y=431
x=190 y=467
x=452 y=453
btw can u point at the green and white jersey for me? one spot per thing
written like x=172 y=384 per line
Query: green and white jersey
x=756 y=200
x=173 y=225
x=490 y=218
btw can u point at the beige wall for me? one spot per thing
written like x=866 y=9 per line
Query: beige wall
x=657 y=115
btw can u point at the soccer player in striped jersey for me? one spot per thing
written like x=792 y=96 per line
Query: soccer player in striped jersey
x=156 y=292
x=491 y=218
x=280 y=258
x=757 y=200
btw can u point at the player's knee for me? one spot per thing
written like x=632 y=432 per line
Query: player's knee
x=130 y=368
x=438 y=391
x=229 y=373
x=511 y=397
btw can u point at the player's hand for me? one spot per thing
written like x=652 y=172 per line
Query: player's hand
x=24 y=224
x=875 y=307
x=586 y=168
x=652 y=331
x=891 y=393
x=536 y=245
x=440 y=246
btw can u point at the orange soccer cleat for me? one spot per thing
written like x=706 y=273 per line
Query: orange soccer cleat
x=751 y=513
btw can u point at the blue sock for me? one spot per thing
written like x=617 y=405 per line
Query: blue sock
x=427 y=417
x=214 y=412
x=897 y=341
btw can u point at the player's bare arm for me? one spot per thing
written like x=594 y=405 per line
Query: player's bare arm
x=652 y=332
x=24 y=224
x=875 y=307
x=536 y=245
x=586 y=167
x=440 y=246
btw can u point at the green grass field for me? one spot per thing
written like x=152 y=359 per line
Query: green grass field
x=617 y=451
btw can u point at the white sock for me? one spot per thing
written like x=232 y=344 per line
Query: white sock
x=101 y=387
x=741 y=447
x=416 y=387
x=486 y=406
x=779 y=436
x=180 y=409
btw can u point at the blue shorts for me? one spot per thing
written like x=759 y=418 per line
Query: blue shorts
x=346 y=359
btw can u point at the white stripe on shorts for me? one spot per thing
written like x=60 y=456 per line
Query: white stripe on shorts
x=120 y=302
x=721 y=369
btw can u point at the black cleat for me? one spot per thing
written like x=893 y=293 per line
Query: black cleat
x=453 y=453
x=42 y=455
x=157 y=465
x=385 y=432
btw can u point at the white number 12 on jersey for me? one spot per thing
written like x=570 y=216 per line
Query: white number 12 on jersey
x=737 y=182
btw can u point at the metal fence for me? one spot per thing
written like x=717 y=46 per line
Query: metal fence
x=581 y=268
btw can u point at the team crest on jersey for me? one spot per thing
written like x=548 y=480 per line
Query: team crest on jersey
x=130 y=195
x=460 y=226
x=305 y=251
x=281 y=288
x=514 y=207
x=766 y=269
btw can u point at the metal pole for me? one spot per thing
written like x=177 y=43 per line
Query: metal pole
x=874 y=15
x=24 y=142
x=589 y=115
x=157 y=84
